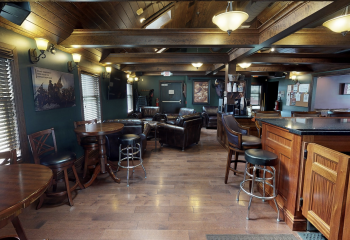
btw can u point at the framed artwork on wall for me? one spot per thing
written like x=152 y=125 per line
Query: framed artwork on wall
x=345 y=88
x=201 y=92
x=52 y=89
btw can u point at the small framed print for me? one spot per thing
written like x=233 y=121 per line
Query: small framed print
x=201 y=92
x=345 y=88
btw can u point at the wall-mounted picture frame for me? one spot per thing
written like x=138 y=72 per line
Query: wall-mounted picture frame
x=201 y=92
x=52 y=89
x=345 y=88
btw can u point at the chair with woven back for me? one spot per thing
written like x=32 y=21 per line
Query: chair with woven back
x=90 y=146
x=264 y=114
x=45 y=152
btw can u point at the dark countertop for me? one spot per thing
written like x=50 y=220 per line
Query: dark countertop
x=312 y=126
x=238 y=116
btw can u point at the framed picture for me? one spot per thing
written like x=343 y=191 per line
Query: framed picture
x=52 y=89
x=201 y=92
x=345 y=88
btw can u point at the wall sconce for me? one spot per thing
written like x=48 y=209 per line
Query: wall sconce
x=41 y=44
x=76 y=59
x=294 y=76
x=107 y=74
x=244 y=65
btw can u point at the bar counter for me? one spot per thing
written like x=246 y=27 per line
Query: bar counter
x=288 y=139
x=312 y=126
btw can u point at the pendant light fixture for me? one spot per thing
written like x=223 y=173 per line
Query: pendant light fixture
x=230 y=20
x=339 y=24
x=197 y=65
x=244 y=65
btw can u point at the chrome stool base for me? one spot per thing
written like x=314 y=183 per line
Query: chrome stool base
x=133 y=153
x=253 y=179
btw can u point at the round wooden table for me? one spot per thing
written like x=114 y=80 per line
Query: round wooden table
x=99 y=130
x=20 y=185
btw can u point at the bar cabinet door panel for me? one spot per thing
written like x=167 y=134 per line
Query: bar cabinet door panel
x=325 y=189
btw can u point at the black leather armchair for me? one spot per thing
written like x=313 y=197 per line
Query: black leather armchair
x=148 y=113
x=210 y=116
x=171 y=118
x=185 y=131
x=134 y=126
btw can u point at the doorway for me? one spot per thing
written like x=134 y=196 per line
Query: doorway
x=271 y=95
x=171 y=97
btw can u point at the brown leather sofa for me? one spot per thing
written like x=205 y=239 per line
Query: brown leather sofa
x=171 y=118
x=185 y=131
x=131 y=126
x=210 y=116
x=148 y=113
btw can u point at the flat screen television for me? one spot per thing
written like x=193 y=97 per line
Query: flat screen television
x=117 y=84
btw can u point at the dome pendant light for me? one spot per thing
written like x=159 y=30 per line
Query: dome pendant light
x=231 y=20
x=339 y=24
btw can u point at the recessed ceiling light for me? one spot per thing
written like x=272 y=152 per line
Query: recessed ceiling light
x=142 y=20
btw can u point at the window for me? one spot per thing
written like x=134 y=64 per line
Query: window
x=9 y=136
x=91 y=97
x=255 y=96
x=129 y=97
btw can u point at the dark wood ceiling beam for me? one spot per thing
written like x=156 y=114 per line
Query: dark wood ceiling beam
x=166 y=58
x=293 y=21
x=164 y=67
x=192 y=74
x=176 y=1
x=315 y=37
x=293 y=58
x=161 y=38
x=206 y=67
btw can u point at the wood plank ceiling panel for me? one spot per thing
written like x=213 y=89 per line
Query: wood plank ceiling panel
x=73 y=11
x=102 y=12
x=121 y=13
x=87 y=11
x=130 y=14
x=109 y=7
x=205 y=12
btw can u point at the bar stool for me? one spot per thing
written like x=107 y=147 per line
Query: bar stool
x=132 y=150
x=260 y=159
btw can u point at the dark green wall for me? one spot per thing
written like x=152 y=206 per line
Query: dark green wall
x=114 y=108
x=152 y=82
x=282 y=86
x=61 y=119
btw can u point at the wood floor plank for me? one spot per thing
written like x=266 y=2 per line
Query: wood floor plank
x=184 y=197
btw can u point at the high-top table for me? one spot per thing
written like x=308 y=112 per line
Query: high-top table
x=99 y=130
x=20 y=185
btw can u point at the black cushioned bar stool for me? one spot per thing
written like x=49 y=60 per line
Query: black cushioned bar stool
x=260 y=159
x=132 y=151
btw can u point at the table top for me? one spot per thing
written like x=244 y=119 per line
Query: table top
x=99 y=129
x=20 y=185
x=312 y=126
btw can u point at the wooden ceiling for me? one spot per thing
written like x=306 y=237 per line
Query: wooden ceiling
x=112 y=33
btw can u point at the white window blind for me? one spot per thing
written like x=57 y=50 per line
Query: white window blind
x=129 y=96
x=91 y=97
x=9 y=133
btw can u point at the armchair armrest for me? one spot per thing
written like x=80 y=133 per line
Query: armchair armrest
x=137 y=115
x=146 y=129
x=244 y=130
x=167 y=127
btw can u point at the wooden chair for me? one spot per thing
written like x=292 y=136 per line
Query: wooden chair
x=239 y=140
x=45 y=153
x=90 y=146
x=264 y=114
x=305 y=114
x=10 y=157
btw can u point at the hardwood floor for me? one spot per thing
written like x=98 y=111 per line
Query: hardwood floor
x=183 y=198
